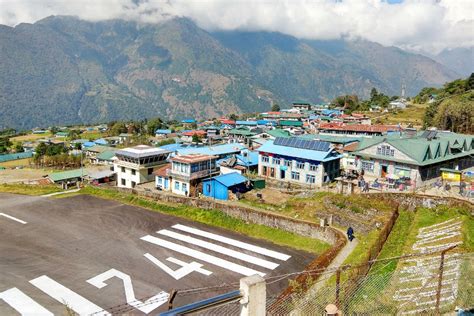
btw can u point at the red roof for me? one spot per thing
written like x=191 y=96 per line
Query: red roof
x=198 y=133
x=227 y=121
x=358 y=127
x=161 y=172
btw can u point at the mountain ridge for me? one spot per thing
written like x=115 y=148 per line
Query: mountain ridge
x=62 y=70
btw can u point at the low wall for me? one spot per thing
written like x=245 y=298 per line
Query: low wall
x=411 y=201
x=261 y=217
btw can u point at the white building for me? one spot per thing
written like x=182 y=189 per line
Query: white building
x=136 y=165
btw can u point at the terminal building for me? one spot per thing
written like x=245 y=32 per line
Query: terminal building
x=135 y=165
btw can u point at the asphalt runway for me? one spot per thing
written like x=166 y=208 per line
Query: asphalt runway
x=99 y=256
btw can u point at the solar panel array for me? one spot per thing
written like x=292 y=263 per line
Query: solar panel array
x=296 y=142
x=429 y=134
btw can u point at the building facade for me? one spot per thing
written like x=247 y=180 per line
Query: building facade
x=295 y=160
x=135 y=165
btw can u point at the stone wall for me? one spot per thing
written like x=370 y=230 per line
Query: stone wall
x=261 y=217
x=411 y=201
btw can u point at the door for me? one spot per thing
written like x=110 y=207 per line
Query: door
x=282 y=174
x=384 y=171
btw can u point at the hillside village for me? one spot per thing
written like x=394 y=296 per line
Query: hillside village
x=302 y=146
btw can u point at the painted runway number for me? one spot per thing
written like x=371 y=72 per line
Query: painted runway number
x=146 y=306
x=186 y=268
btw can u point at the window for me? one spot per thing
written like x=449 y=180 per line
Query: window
x=184 y=187
x=300 y=165
x=288 y=163
x=368 y=166
x=123 y=169
x=176 y=185
x=160 y=180
x=310 y=178
x=385 y=150
x=264 y=171
x=265 y=159
x=133 y=184
x=133 y=172
x=123 y=181
x=150 y=171
x=313 y=168
x=276 y=161
x=295 y=175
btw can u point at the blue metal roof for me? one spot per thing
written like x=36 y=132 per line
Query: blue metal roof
x=266 y=122
x=229 y=179
x=250 y=123
x=188 y=121
x=101 y=141
x=89 y=144
x=172 y=147
x=250 y=160
x=308 y=154
x=225 y=149
x=163 y=131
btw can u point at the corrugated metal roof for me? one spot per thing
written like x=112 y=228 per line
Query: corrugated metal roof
x=229 y=179
x=65 y=175
x=269 y=147
x=106 y=155
x=251 y=123
x=250 y=159
x=225 y=149
x=163 y=131
x=15 y=156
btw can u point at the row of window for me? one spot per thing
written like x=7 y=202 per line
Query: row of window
x=124 y=183
x=134 y=172
x=385 y=150
x=181 y=186
x=309 y=177
x=289 y=163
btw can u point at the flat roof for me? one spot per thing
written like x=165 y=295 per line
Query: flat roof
x=191 y=158
x=141 y=151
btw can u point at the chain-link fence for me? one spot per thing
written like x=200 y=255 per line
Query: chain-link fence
x=434 y=283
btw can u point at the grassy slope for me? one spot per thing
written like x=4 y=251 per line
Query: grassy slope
x=216 y=218
x=27 y=189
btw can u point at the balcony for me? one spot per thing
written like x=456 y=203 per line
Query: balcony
x=193 y=176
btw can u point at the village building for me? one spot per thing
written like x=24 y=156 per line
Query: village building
x=135 y=165
x=188 y=171
x=306 y=162
x=416 y=161
x=226 y=185
x=301 y=105
x=357 y=129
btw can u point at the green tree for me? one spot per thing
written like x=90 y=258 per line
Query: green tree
x=19 y=148
x=275 y=107
x=470 y=82
x=373 y=93
x=196 y=138
x=73 y=134
x=154 y=124
x=118 y=128
x=233 y=117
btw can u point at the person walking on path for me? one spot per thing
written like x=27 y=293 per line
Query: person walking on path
x=350 y=233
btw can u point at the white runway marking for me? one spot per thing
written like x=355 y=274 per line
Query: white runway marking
x=13 y=218
x=202 y=256
x=182 y=263
x=220 y=249
x=186 y=268
x=65 y=296
x=146 y=306
x=233 y=242
x=23 y=304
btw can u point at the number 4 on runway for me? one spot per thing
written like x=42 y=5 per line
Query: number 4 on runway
x=186 y=268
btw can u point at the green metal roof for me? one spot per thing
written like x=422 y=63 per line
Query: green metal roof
x=106 y=155
x=290 y=123
x=423 y=151
x=241 y=131
x=278 y=133
x=10 y=157
x=66 y=175
x=301 y=102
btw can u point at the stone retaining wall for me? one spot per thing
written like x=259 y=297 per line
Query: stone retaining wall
x=411 y=201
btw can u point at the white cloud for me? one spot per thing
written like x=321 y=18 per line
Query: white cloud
x=428 y=25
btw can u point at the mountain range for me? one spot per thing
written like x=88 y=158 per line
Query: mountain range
x=62 y=71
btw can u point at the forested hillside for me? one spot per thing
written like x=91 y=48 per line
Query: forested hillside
x=62 y=70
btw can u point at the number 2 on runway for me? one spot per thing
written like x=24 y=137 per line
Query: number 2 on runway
x=146 y=306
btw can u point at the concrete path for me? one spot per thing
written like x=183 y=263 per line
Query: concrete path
x=61 y=192
x=338 y=261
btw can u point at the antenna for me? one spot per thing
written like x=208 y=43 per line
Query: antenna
x=403 y=91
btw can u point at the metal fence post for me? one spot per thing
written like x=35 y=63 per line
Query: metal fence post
x=338 y=284
x=440 y=278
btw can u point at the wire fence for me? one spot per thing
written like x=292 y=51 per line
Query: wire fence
x=424 y=284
